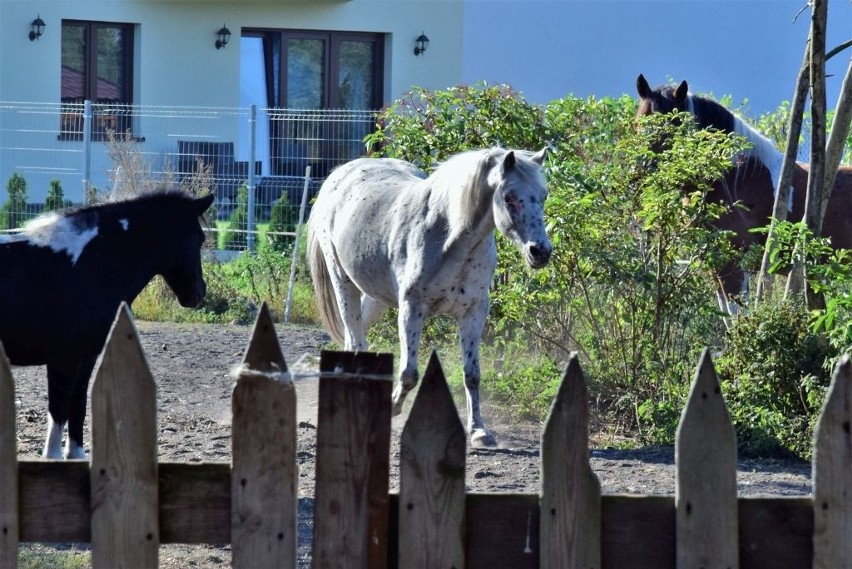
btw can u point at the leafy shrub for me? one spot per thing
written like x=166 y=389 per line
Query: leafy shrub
x=235 y=236
x=425 y=126
x=13 y=214
x=55 y=199
x=629 y=283
x=525 y=382
x=774 y=377
x=283 y=217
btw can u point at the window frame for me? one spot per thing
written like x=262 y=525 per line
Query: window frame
x=116 y=117
x=276 y=38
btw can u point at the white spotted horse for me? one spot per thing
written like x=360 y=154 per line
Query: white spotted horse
x=64 y=277
x=381 y=233
x=753 y=180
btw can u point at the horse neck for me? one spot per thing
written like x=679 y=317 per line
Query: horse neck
x=127 y=269
x=712 y=114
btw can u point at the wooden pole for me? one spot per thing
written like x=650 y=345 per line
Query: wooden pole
x=837 y=139
x=816 y=172
x=782 y=192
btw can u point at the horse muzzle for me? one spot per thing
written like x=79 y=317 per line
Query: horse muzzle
x=538 y=254
x=193 y=299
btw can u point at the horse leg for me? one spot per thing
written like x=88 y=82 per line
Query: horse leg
x=349 y=305
x=59 y=389
x=371 y=311
x=471 y=327
x=410 y=322
x=77 y=416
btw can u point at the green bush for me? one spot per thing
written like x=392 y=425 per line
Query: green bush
x=425 y=126
x=235 y=237
x=774 y=376
x=13 y=213
x=629 y=283
x=283 y=217
x=55 y=199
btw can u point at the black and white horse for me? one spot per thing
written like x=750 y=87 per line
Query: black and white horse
x=64 y=277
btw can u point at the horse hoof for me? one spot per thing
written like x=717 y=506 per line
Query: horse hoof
x=76 y=453
x=396 y=410
x=482 y=438
x=398 y=399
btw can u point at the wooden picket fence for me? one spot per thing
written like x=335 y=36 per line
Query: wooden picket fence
x=125 y=504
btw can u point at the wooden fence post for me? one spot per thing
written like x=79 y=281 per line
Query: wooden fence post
x=706 y=484
x=570 y=492
x=353 y=443
x=264 y=471
x=125 y=526
x=832 y=464
x=431 y=477
x=9 y=521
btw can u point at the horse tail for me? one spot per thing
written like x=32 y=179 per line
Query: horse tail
x=326 y=300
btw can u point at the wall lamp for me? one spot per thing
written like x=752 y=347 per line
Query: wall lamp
x=223 y=36
x=420 y=44
x=38 y=28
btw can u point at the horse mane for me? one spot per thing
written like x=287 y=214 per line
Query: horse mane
x=709 y=113
x=461 y=184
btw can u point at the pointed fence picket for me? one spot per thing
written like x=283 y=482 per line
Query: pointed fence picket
x=125 y=503
x=433 y=449
x=570 y=491
x=832 y=474
x=8 y=467
x=706 y=483
x=125 y=527
x=264 y=473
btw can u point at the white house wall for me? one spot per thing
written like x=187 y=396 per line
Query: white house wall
x=177 y=63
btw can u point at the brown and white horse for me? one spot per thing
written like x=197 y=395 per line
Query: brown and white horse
x=753 y=180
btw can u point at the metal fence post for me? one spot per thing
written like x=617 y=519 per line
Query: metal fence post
x=87 y=149
x=250 y=222
x=294 y=261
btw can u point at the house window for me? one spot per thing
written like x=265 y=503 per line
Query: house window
x=313 y=71
x=97 y=65
x=326 y=70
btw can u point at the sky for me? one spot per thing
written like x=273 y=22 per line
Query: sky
x=748 y=49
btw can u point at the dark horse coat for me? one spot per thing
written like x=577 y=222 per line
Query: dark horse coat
x=751 y=183
x=66 y=274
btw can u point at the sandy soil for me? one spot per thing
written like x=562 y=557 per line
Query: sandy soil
x=191 y=365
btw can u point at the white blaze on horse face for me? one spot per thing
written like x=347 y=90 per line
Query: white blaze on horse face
x=59 y=234
x=125 y=224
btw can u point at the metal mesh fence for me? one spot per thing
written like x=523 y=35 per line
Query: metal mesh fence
x=255 y=161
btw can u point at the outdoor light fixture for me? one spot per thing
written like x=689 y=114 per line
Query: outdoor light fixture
x=224 y=36
x=420 y=44
x=38 y=28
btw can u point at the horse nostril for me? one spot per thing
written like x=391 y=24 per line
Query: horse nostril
x=538 y=255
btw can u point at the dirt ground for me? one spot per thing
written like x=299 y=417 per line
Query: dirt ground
x=191 y=365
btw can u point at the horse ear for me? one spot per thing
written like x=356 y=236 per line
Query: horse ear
x=202 y=204
x=642 y=87
x=539 y=156
x=508 y=162
x=681 y=91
